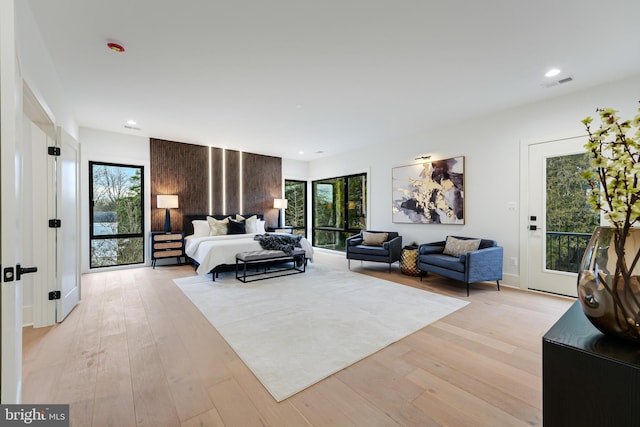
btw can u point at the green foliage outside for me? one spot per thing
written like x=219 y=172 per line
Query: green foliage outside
x=294 y=192
x=117 y=194
x=568 y=211
x=339 y=205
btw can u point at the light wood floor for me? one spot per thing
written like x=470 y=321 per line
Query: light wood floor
x=136 y=352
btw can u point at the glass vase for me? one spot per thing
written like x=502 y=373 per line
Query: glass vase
x=608 y=283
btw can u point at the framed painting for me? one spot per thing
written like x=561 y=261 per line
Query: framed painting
x=429 y=193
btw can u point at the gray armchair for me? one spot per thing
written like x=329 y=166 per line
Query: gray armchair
x=479 y=265
x=376 y=246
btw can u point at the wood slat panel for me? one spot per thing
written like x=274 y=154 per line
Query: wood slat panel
x=217 y=191
x=235 y=180
x=262 y=182
x=181 y=169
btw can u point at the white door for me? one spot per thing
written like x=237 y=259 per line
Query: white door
x=68 y=211
x=10 y=142
x=39 y=187
x=543 y=242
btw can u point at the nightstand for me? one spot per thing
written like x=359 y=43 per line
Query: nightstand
x=166 y=245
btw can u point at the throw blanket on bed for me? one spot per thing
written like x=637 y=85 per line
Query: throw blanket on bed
x=279 y=242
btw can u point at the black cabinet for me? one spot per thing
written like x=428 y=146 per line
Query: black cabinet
x=589 y=379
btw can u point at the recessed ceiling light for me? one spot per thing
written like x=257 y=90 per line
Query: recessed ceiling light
x=301 y=152
x=552 y=72
x=131 y=122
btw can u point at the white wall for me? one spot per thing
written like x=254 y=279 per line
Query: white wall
x=491 y=145
x=110 y=147
x=38 y=72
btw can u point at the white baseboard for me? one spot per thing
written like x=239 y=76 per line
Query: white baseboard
x=27 y=315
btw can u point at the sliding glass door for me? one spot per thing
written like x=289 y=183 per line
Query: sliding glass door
x=116 y=214
x=339 y=210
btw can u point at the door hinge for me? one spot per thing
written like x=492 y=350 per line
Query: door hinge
x=54 y=295
x=53 y=151
x=55 y=223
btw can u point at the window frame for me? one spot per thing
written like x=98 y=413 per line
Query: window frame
x=303 y=227
x=93 y=236
x=345 y=229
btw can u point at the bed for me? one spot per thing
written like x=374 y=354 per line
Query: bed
x=214 y=254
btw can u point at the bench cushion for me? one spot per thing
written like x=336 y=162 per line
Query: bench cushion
x=266 y=255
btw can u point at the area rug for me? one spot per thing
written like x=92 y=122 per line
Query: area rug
x=295 y=331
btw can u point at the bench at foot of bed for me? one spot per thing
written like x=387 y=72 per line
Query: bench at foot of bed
x=269 y=263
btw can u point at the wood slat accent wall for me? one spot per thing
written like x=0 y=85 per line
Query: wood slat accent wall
x=183 y=169
x=180 y=169
x=216 y=180
x=263 y=172
x=232 y=182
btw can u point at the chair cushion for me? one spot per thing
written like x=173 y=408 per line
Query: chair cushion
x=444 y=261
x=374 y=239
x=456 y=247
x=369 y=250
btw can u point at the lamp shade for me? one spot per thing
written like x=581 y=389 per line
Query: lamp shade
x=167 y=202
x=280 y=203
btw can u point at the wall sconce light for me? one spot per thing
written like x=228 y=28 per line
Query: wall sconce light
x=280 y=204
x=167 y=202
x=422 y=158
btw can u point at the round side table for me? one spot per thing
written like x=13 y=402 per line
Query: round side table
x=409 y=261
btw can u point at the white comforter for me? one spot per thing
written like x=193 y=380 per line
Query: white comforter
x=211 y=251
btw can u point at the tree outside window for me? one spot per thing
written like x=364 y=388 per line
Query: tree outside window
x=116 y=214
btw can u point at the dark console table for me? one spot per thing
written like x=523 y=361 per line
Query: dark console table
x=589 y=379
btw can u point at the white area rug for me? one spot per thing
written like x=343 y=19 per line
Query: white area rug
x=297 y=330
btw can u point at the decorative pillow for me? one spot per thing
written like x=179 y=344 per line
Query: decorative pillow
x=251 y=223
x=374 y=239
x=217 y=227
x=457 y=247
x=200 y=227
x=260 y=227
x=236 y=227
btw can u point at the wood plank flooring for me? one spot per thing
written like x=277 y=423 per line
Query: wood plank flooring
x=137 y=352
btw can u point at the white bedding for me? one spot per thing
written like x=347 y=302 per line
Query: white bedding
x=211 y=251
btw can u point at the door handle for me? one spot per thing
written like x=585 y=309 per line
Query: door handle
x=24 y=270
x=533 y=227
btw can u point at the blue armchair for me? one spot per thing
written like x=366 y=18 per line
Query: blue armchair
x=378 y=246
x=477 y=265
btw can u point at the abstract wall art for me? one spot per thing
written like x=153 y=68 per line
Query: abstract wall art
x=429 y=192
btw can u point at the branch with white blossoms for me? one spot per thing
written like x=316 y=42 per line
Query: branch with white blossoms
x=615 y=156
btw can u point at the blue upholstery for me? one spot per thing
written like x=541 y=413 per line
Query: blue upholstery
x=389 y=252
x=484 y=264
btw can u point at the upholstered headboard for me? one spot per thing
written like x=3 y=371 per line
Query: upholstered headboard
x=187 y=226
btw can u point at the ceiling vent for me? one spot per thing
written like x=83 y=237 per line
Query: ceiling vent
x=558 y=82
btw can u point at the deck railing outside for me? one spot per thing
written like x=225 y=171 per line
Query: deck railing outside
x=565 y=250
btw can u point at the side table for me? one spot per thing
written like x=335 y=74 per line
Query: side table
x=409 y=261
x=166 y=245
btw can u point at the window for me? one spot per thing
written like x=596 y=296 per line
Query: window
x=296 y=213
x=339 y=210
x=116 y=214
x=570 y=220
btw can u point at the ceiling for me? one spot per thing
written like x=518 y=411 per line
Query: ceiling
x=282 y=77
